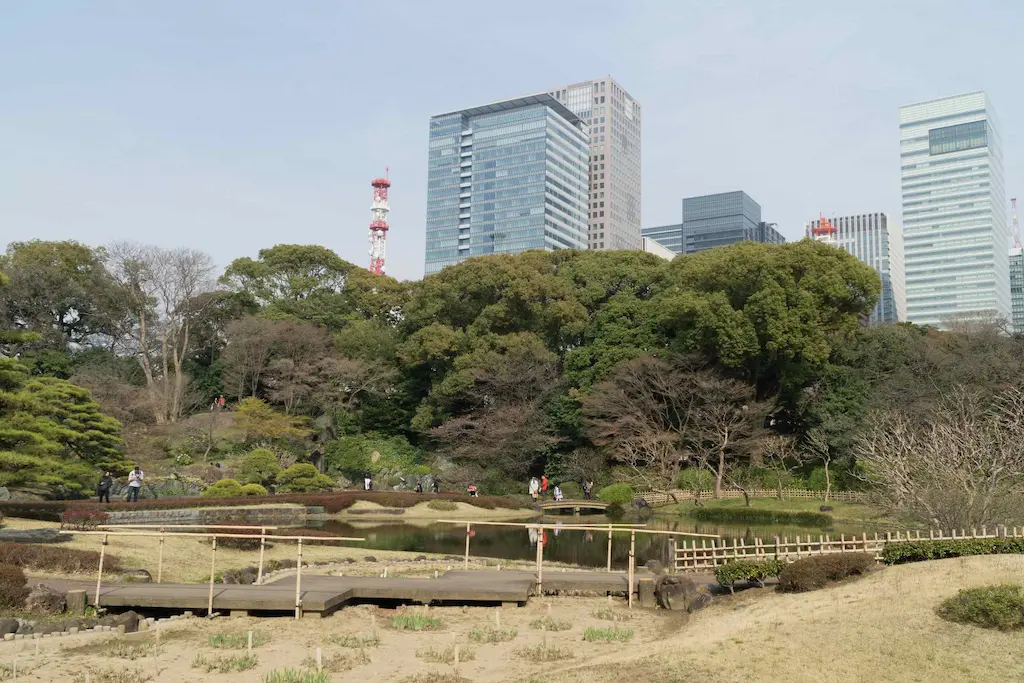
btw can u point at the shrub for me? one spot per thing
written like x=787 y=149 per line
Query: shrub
x=225 y=488
x=617 y=494
x=544 y=653
x=693 y=479
x=339 y=661
x=259 y=467
x=253 y=490
x=447 y=655
x=236 y=641
x=571 y=490
x=747 y=515
x=817 y=572
x=415 y=622
x=918 y=551
x=492 y=635
x=1000 y=607
x=296 y=676
x=608 y=635
x=82 y=520
x=550 y=624
x=747 y=570
x=608 y=614
x=224 y=665
x=443 y=505
x=46 y=558
x=303 y=478
x=816 y=480
x=352 y=640
x=13 y=586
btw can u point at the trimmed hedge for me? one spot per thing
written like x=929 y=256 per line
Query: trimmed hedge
x=13 y=586
x=47 y=558
x=902 y=552
x=617 y=494
x=82 y=520
x=817 y=572
x=748 y=570
x=1000 y=607
x=747 y=515
x=50 y=510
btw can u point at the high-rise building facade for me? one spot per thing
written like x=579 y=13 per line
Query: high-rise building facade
x=504 y=178
x=668 y=236
x=876 y=241
x=718 y=219
x=652 y=246
x=614 y=121
x=955 y=233
x=1017 y=289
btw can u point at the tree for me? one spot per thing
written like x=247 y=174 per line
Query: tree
x=781 y=457
x=293 y=375
x=260 y=466
x=250 y=345
x=161 y=297
x=962 y=468
x=303 y=478
x=261 y=423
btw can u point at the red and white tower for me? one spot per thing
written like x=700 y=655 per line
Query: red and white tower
x=379 y=223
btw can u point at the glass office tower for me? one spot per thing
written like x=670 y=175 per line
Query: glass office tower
x=955 y=232
x=715 y=220
x=668 y=236
x=504 y=178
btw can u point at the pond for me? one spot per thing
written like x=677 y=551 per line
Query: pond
x=585 y=548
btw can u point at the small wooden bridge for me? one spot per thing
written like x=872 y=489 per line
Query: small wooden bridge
x=575 y=505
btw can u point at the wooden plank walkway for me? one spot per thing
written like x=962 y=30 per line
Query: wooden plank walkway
x=325 y=594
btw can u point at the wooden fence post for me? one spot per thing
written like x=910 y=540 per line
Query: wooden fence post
x=213 y=569
x=540 y=561
x=632 y=567
x=671 y=566
x=609 y=547
x=99 y=574
x=263 y=547
x=160 y=562
x=465 y=561
x=298 y=584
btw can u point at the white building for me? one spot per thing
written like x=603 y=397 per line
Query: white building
x=955 y=231
x=876 y=241
x=613 y=118
x=652 y=246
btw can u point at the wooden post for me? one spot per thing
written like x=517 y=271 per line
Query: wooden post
x=298 y=584
x=671 y=564
x=99 y=574
x=465 y=561
x=77 y=600
x=160 y=561
x=319 y=660
x=263 y=547
x=632 y=568
x=249 y=646
x=540 y=562
x=609 y=547
x=213 y=569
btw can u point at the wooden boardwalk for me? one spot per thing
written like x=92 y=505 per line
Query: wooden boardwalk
x=324 y=594
x=574 y=505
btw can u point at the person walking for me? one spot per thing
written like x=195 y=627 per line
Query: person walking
x=135 y=478
x=103 y=487
x=534 y=488
x=437 y=485
x=419 y=486
x=544 y=486
x=471 y=490
x=368 y=483
x=588 y=489
x=558 y=493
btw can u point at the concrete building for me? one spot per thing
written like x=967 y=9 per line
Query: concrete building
x=1017 y=289
x=504 y=178
x=613 y=118
x=718 y=219
x=876 y=241
x=652 y=246
x=668 y=236
x=955 y=232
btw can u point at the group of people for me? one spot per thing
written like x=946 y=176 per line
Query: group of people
x=539 y=489
x=435 y=484
x=106 y=483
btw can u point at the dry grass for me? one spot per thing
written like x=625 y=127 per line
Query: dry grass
x=338 y=661
x=447 y=655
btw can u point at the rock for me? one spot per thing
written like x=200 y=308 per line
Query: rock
x=130 y=621
x=655 y=567
x=9 y=636
x=136 y=576
x=33 y=536
x=287 y=564
x=44 y=600
x=45 y=627
x=25 y=628
x=681 y=594
x=8 y=626
x=369 y=558
x=5 y=494
x=80 y=623
x=77 y=600
x=229 y=577
x=420 y=558
x=825 y=508
x=247 y=576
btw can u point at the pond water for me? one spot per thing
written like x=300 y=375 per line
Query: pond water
x=585 y=548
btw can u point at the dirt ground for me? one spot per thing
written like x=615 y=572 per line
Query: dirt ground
x=879 y=628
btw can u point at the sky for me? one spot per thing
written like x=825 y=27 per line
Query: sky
x=232 y=126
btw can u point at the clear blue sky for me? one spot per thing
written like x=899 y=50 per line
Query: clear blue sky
x=233 y=126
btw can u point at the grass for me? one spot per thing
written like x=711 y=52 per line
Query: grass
x=544 y=653
x=111 y=676
x=609 y=614
x=338 y=662
x=608 y=635
x=121 y=649
x=490 y=634
x=237 y=641
x=7 y=671
x=841 y=512
x=436 y=677
x=551 y=624
x=296 y=676
x=224 y=664
x=415 y=622
x=447 y=655
x=351 y=640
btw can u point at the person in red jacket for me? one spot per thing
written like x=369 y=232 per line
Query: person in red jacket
x=544 y=487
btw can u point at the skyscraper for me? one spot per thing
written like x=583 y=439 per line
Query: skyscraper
x=875 y=241
x=718 y=219
x=955 y=232
x=1017 y=289
x=668 y=236
x=613 y=118
x=504 y=178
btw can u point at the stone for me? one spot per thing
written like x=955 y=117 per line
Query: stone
x=9 y=636
x=19 y=636
x=44 y=600
x=76 y=602
x=825 y=508
x=33 y=536
x=144 y=625
x=369 y=558
x=136 y=576
x=655 y=567
x=420 y=558
x=645 y=591
x=130 y=620
x=79 y=623
x=8 y=626
x=121 y=629
x=73 y=630
x=681 y=594
x=5 y=493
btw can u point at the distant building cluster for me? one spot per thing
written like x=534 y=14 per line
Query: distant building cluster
x=561 y=169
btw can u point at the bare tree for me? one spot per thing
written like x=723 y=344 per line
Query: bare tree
x=818 y=448
x=964 y=468
x=250 y=344
x=162 y=294
x=781 y=457
x=292 y=376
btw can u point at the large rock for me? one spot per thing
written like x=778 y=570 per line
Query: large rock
x=33 y=536
x=130 y=621
x=5 y=494
x=654 y=566
x=44 y=600
x=8 y=626
x=681 y=594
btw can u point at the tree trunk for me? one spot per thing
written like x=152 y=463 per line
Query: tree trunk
x=720 y=473
x=828 y=482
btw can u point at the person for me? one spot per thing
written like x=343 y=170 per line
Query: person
x=558 y=493
x=534 y=488
x=368 y=483
x=134 y=484
x=472 y=490
x=103 y=487
x=220 y=402
x=544 y=486
x=419 y=486
x=437 y=485
x=588 y=488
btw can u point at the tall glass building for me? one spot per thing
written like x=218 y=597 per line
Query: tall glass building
x=955 y=233
x=715 y=220
x=504 y=178
x=668 y=236
x=873 y=240
x=1017 y=288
